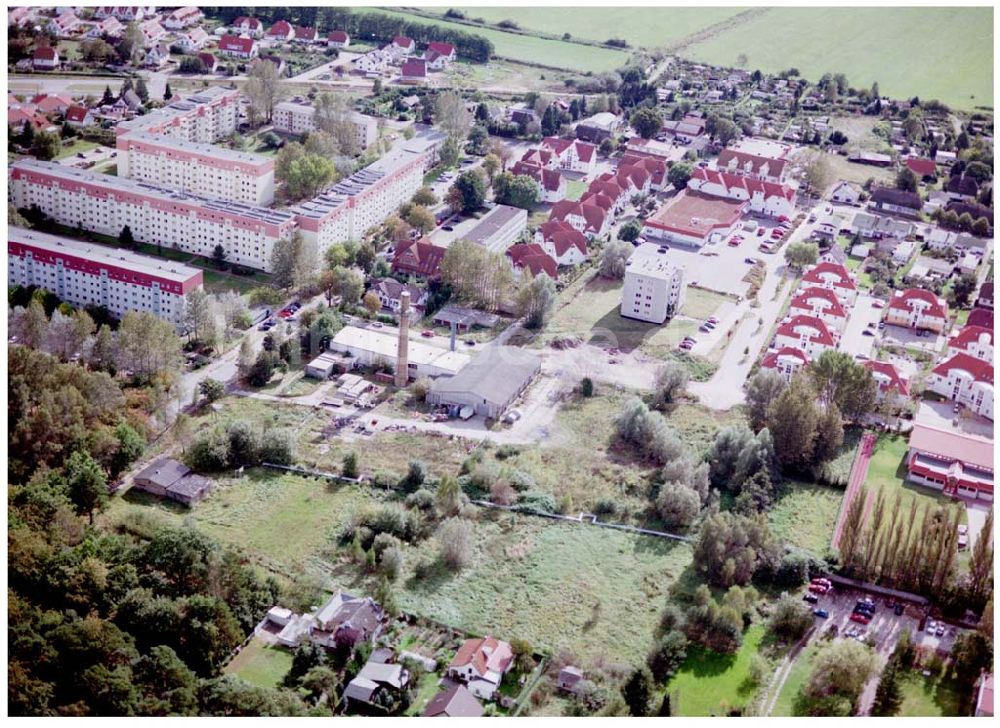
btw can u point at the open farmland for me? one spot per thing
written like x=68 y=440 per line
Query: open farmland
x=934 y=53
x=540 y=51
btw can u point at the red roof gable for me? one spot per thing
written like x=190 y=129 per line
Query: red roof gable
x=236 y=44
x=281 y=29
x=337 y=36
x=585 y=151
x=771 y=360
x=774 y=166
x=45 y=53
x=415 y=68
x=305 y=33
x=817 y=272
x=737 y=181
x=969 y=335
x=402 y=41
x=76 y=113
x=833 y=309
x=903 y=299
x=484 y=655
x=980 y=317
x=444 y=49
x=953 y=446
x=420 y=257
x=893 y=378
x=921 y=167
x=821 y=335
x=532 y=257
x=980 y=370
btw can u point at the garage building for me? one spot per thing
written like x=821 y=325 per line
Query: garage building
x=490 y=383
x=372 y=347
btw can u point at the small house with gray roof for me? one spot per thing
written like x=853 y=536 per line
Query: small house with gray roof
x=169 y=478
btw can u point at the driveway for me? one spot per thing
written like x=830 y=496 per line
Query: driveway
x=943 y=416
x=903 y=336
x=863 y=317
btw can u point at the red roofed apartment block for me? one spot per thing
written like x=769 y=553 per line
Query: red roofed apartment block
x=564 y=243
x=419 y=257
x=787 y=361
x=573 y=154
x=751 y=165
x=976 y=341
x=253 y=26
x=585 y=217
x=481 y=665
x=966 y=380
x=531 y=257
x=766 y=198
x=551 y=184
x=917 y=308
x=822 y=303
x=807 y=333
x=834 y=277
x=656 y=168
x=952 y=462
x=888 y=378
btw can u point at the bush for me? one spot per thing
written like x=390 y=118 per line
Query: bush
x=277 y=447
x=678 y=505
x=501 y=493
x=507 y=451
x=349 y=466
x=520 y=481
x=537 y=501
x=422 y=500
x=667 y=655
x=454 y=538
x=390 y=519
x=587 y=387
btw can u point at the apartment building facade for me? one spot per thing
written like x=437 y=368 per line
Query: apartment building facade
x=654 y=285
x=294 y=118
x=205 y=117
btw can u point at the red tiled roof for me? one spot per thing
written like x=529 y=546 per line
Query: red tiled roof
x=585 y=151
x=771 y=360
x=208 y=59
x=557 y=144
x=980 y=317
x=487 y=654
x=656 y=168
x=980 y=370
x=821 y=335
x=338 y=36
x=921 y=167
x=902 y=299
x=551 y=179
x=415 y=68
x=76 y=113
x=892 y=376
x=775 y=166
x=420 y=257
x=302 y=33
x=45 y=53
x=737 y=181
x=969 y=335
x=532 y=257
x=444 y=49
x=952 y=445
x=814 y=275
x=694 y=214
x=236 y=44
x=833 y=309
x=593 y=215
x=402 y=41
x=281 y=29
x=252 y=23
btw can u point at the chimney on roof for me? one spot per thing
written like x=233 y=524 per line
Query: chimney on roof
x=402 y=349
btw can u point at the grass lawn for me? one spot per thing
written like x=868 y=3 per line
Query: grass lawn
x=427 y=688
x=78 y=145
x=700 y=304
x=554 y=53
x=888 y=45
x=925 y=697
x=805 y=515
x=785 y=706
x=260 y=664
x=962 y=317
x=710 y=683
x=887 y=472
x=217 y=282
x=575 y=189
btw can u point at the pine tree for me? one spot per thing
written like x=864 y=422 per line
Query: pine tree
x=167 y=93
x=108 y=98
x=126 y=238
x=887 y=695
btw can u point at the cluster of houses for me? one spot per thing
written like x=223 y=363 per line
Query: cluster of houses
x=402 y=53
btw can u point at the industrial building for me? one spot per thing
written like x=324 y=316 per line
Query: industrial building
x=379 y=347
x=499 y=228
x=490 y=383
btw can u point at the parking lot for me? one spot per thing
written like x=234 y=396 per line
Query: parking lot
x=864 y=317
x=912 y=338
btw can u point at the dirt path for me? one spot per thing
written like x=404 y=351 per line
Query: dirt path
x=859 y=471
x=781 y=674
x=682 y=44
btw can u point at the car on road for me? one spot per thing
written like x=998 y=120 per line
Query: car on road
x=427 y=333
x=867 y=332
x=750 y=261
x=821 y=613
x=449 y=228
x=470 y=342
x=811 y=598
x=712 y=320
x=711 y=324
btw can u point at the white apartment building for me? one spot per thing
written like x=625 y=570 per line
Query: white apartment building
x=204 y=117
x=202 y=169
x=967 y=380
x=85 y=274
x=369 y=196
x=295 y=118
x=654 y=285
x=105 y=204
x=976 y=341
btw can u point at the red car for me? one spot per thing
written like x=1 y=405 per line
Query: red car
x=427 y=334
x=819 y=588
x=860 y=618
x=760 y=231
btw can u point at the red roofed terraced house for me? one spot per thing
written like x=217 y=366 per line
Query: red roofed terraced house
x=481 y=665
x=45 y=58
x=976 y=341
x=414 y=71
x=280 y=32
x=152 y=32
x=834 y=277
x=655 y=168
x=917 y=308
x=787 y=361
x=751 y=165
x=52 y=103
x=966 y=380
x=421 y=258
x=182 y=18
x=249 y=25
x=584 y=217
x=806 y=333
x=551 y=184
x=822 y=303
x=439 y=55
x=85 y=274
x=573 y=155
x=694 y=219
x=888 y=378
x=952 y=462
x=766 y=198
x=236 y=47
x=531 y=257
x=564 y=243
x=125 y=13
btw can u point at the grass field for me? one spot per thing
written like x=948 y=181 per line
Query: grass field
x=713 y=684
x=929 y=697
x=78 y=145
x=261 y=664
x=786 y=704
x=575 y=189
x=554 y=53
x=890 y=45
x=700 y=304
x=887 y=472
x=805 y=515
x=646 y=27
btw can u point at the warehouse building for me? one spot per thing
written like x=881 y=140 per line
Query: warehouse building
x=87 y=274
x=379 y=347
x=490 y=384
x=169 y=478
x=499 y=228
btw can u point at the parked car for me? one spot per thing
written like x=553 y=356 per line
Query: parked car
x=760 y=231
x=878 y=304
x=867 y=332
x=811 y=598
x=713 y=320
x=750 y=261
x=899 y=609
x=470 y=342
x=704 y=329
x=860 y=618
x=939 y=632
x=427 y=334
x=821 y=613
x=733 y=242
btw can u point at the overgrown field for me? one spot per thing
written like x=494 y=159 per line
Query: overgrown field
x=934 y=53
x=806 y=514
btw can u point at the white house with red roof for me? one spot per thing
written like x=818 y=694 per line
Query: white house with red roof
x=821 y=303
x=551 y=184
x=281 y=31
x=655 y=168
x=564 y=243
x=338 y=39
x=585 y=217
x=609 y=193
x=834 y=277
x=888 y=378
x=52 y=103
x=806 y=333
x=917 y=308
x=157 y=56
x=237 y=47
x=209 y=61
x=531 y=258
x=125 y=13
x=374 y=63
x=305 y=34
x=193 y=40
x=951 y=461
x=414 y=71
x=976 y=341
x=966 y=380
x=787 y=361
x=401 y=47
x=438 y=55
x=20 y=114
x=182 y=18
x=109 y=26
x=79 y=116
x=252 y=26
x=766 y=198
x=152 y=32
x=481 y=665
x=65 y=25
x=573 y=154
x=761 y=159
x=45 y=58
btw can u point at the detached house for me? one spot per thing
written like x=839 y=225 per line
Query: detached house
x=886 y=199
x=193 y=40
x=966 y=380
x=79 y=116
x=420 y=258
x=251 y=26
x=438 y=55
x=414 y=71
x=402 y=46
x=45 y=58
x=846 y=193
x=157 y=56
x=280 y=32
x=152 y=32
x=806 y=333
x=338 y=39
x=917 y=308
x=110 y=27
x=236 y=47
x=65 y=26
x=390 y=292
x=306 y=35
x=481 y=665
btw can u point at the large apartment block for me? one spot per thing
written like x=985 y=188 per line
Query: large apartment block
x=202 y=169
x=295 y=118
x=367 y=197
x=85 y=274
x=654 y=285
x=106 y=204
x=204 y=117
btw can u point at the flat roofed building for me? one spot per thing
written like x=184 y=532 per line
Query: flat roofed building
x=374 y=347
x=499 y=228
x=85 y=274
x=654 y=285
x=694 y=219
x=105 y=204
x=205 y=117
x=299 y=118
x=203 y=169
x=490 y=383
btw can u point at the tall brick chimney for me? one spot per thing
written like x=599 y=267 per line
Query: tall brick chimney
x=402 y=350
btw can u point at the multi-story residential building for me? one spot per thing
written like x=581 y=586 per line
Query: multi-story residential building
x=87 y=274
x=203 y=169
x=204 y=117
x=976 y=341
x=822 y=303
x=573 y=155
x=787 y=361
x=751 y=165
x=766 y=198
x=965 y=380
x=888 y=378
x=917 y=308
x=295 y=118
x=834 y=277
x=564 y=243
x=654 y=285
x=152 y=32
x=106 y=204
x=806 y=333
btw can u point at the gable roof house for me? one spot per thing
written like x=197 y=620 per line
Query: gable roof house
x=169 y=478
x=562 y=242
x=79 y=116
x=373 y=678
x=237 y=47
x=45 y=58
x=751 y=165
x=888 y=378
x=421 y=258
x=976 y=341
x=551 y=184
x=787 y=361
x=193 y=40
x=209 y=61
x=52 y=103
x=401 y=46
x=66 y=25
x=822 y=303
x=587 y=218
x=917 y=308
x=766 y=198
x=574 y=155
x=532 y=259
x=304 y=34
x=834 y=277
x=338 y=39
x=846 y=193
x=109 y=26
x=279 y=32
x=346 y=620
x=152 y=32
x=414 y=71
x=454 y=701
x=924 y=168
x=390 y=291
x=899 y=202
x=808 y=334
x=967 y=380
x=438 y=55
x=253 y=26
x=157 y=56
x=182 y=18
x=481 y=665
x=655 y=168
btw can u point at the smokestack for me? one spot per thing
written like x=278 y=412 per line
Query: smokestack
x=454 y=333
x=402 y=350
